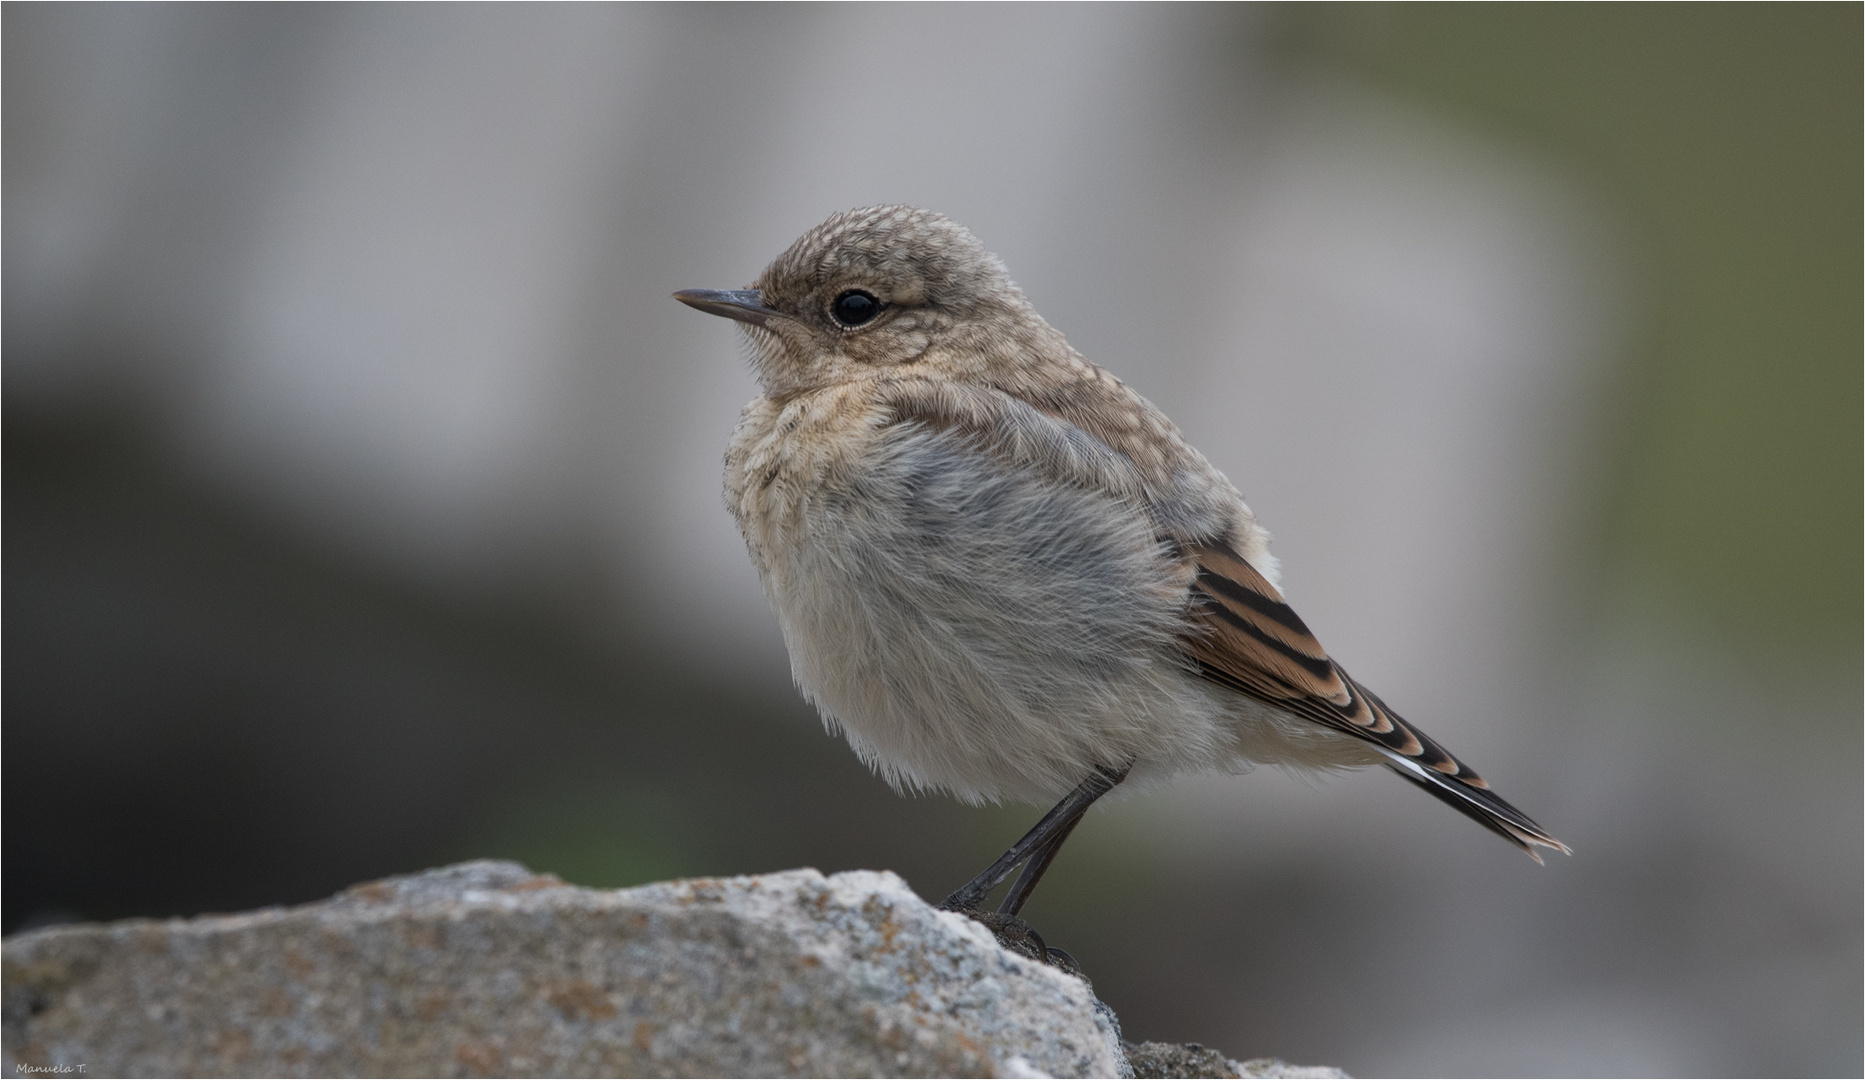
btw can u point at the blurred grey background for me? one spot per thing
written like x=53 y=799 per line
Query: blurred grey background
x=362 y=481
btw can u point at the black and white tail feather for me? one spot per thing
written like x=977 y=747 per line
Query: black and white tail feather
x=1485 y=809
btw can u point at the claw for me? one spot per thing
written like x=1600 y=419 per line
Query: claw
x=1042 y=947
x=1021 y=938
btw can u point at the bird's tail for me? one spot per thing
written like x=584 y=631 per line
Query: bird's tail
x=1479 y=805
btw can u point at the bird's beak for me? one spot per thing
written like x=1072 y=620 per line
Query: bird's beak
x=740 y=304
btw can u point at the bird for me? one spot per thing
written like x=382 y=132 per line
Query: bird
x=1003 y=574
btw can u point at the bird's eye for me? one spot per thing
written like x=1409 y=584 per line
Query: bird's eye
x=855 y=307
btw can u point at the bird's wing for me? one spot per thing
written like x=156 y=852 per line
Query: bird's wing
x=1246 y=638
x=1243 y=635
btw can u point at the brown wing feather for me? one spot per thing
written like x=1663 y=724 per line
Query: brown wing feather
x=1247 y=638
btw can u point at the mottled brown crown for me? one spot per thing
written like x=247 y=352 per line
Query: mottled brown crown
x=917 y=256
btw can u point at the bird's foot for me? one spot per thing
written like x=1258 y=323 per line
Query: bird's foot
x=1021 y=938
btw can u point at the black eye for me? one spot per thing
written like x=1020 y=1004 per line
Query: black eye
x=855 y=307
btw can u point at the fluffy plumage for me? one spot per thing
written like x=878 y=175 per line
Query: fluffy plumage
x=996 y=566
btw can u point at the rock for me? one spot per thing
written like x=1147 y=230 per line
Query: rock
x=487 y=969
x=1157 y=1059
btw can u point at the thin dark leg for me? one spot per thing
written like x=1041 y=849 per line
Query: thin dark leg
x=1033 y=870
x=1055 y=823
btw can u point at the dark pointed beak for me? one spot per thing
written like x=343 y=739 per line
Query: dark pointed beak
x=740 y=304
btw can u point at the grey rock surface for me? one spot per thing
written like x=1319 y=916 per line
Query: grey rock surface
x=486 y=969
x=1157 y=1059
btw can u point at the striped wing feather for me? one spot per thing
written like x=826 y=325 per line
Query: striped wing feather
x=1249 y=640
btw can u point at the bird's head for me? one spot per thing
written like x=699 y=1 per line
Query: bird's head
x=880 y=288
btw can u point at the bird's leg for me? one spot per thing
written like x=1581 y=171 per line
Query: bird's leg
x=1036 y=851
x=1033 y=870
x=1040 y=843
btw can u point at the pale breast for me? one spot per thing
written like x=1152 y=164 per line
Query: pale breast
x=971 y=624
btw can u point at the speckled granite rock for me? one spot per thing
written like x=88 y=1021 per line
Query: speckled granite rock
x=486 y=969
x=1156 y=1059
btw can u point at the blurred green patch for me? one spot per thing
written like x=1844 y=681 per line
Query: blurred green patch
x=1727 y=137
x=602 y=836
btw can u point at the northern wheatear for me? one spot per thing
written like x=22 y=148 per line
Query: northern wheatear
x=1002 y=573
